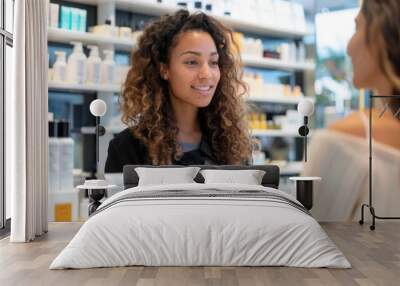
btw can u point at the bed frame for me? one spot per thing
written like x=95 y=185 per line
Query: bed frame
x=131 y=178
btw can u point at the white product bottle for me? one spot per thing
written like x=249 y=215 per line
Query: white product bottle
x=53 y=15
x=228 y=5
x=66 y=153
x=60 y=67
x=259 y=49
x=252 y=47
x=108 y=68
x=54 y=158
x=293 y=52
x=93 y=66
x=301 y=53
x=77 y=64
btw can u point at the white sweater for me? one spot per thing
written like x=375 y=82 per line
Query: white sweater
x=342 y=162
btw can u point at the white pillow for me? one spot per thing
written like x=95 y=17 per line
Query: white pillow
x=248 y=177
x=163 y=176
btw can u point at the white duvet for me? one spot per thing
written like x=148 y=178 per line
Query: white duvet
x=183 y=231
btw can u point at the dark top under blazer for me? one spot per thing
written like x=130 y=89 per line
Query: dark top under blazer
x=126 y=149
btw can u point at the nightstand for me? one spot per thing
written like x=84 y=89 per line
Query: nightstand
x=304 y=190
x=97 y=189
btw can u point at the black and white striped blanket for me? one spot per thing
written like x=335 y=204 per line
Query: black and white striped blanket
x=205 y=194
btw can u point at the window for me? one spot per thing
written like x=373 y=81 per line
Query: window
x=6 y=44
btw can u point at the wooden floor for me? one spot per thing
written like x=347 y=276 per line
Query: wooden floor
x=375 y=257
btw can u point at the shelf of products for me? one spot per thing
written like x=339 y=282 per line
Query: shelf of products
x=275 y=133
x=109 y=129
x=276 y=99
x=92 y=88
x=66 y=36
x=152 y=8
x=255 y=132
x=279 y=48
x=259 y=62
x=274 y=57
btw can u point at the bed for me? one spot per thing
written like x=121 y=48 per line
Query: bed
x=201 y=224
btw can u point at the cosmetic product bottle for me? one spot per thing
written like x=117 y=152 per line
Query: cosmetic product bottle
x=258 y=155
x=108 y=68
x=65 y=18
x=66 y=153
x=297 y=91
x=258 y=86
x=182 y=4
x=53 y=15
x=301 y=53
x=106 y=29
x=198 y=5
x=228 y=7
x=287 y=90
x=112 y=30
x=77 y=65
x=263 y=121
x=60 y=67
x=93 y=66
x=293 y=52
x=208 y=7
x=251 y=47
x=82 y=22
x=285 y=54
x=125 y=32
x=259 y=48
x=121 y=71
x=75 y=19
x=54 y=157
x=255 y=121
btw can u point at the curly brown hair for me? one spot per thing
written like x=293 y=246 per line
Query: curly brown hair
x=145 y=100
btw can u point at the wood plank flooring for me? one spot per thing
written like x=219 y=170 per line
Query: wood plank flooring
x=375 y=257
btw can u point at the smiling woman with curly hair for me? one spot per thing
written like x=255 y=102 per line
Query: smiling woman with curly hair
x=183 y=97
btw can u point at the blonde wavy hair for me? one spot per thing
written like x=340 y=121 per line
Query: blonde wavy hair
x=383 y=37
x=145 y=100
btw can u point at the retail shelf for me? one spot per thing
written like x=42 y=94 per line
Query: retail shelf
x=88 y=130
x=257 y=62
x=275 y=133
x=92 y=88
x=272 y=133
x=66 y=36
x=279 y=99
x=146 y=7
x=109 y=129
x=89 y=2
x=156 y=9
x=276 y=99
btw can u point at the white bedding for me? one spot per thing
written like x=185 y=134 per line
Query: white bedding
x=183 y=231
